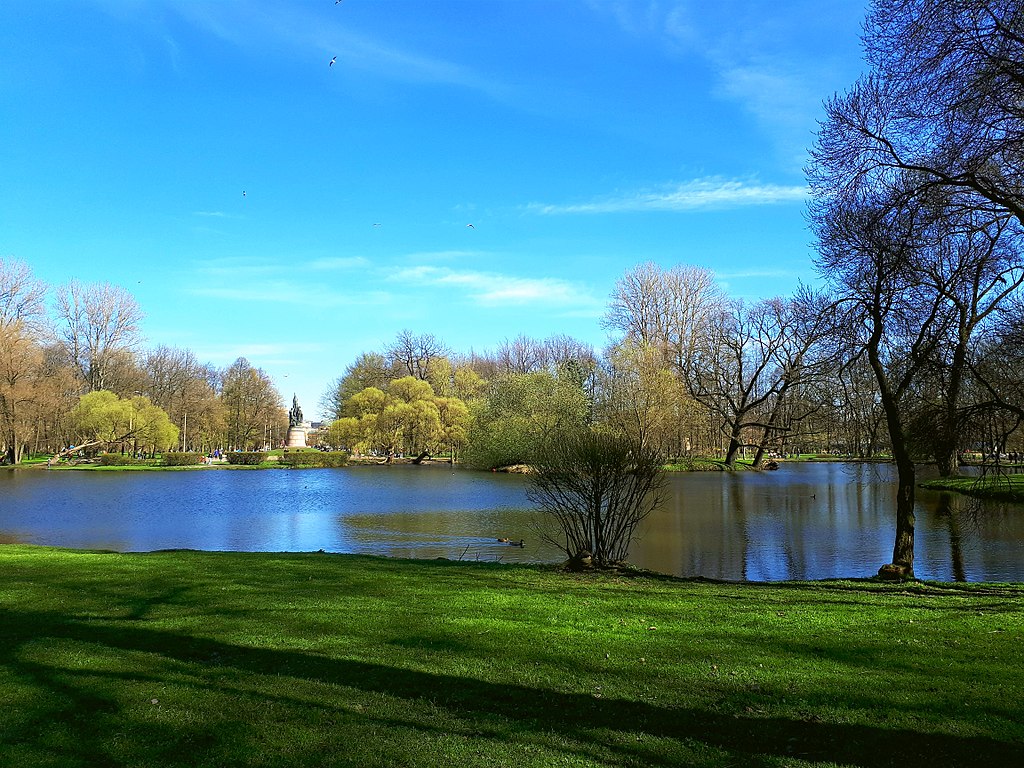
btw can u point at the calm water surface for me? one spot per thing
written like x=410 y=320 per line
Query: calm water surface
x=805 y=521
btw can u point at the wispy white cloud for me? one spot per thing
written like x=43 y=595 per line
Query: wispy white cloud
x=778 y=66
x=494 y=289
x=754 y=274
x=708 y=193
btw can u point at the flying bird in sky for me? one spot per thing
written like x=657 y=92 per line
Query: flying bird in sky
x=332 y=61
x=471 y=226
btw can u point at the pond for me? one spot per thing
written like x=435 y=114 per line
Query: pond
x=804 y=521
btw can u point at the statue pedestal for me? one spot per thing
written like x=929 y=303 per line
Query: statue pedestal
x=296 y=438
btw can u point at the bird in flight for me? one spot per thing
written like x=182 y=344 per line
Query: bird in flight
x=470 y=226
x=332 y=61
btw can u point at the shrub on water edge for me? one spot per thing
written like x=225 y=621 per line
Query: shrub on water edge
x=247 y=458
x=180 y=459
x=314 y=458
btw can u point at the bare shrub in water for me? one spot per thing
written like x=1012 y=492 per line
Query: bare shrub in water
x=597 y=487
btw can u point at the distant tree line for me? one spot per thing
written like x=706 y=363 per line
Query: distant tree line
x=79 y=376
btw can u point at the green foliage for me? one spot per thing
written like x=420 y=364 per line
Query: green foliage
x=179 y=459
x=245 y=458
x=518 y=413
x=313 y=458
x=409 y=417
x=344 y=433
x=177 y=659
x=103 y=417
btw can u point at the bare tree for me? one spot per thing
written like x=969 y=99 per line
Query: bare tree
x=522 y=355
x=21 y=296
x=186 y=390
x=669 y=310
x=976 y=264
x=252 y=406
x=96 y=323
x=803 y=360
x=940 y=115
x=944 y=100
x=744 y=364
x=22 y=383
x=868 y=247
x=415 y=354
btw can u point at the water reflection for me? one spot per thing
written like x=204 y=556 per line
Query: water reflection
x=805 y=521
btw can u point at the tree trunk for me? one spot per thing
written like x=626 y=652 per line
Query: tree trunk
x=947 y=457
x=903 y=547
x=948 y=462
x=759 y=456
x=902 y=564
x=730 y=454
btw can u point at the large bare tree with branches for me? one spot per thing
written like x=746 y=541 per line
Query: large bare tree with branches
x=97 y=324
x=932 y=135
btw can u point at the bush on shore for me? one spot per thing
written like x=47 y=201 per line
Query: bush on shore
x=246 y=458
x=313 y=459
x=117 y=460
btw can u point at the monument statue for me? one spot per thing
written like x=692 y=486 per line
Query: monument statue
x=296 y=431
x=295 y=414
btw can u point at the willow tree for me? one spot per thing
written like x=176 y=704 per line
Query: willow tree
x=407 y=417
x=102 y=419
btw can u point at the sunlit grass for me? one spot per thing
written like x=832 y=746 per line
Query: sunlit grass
x=999 y=487
x=188 y=658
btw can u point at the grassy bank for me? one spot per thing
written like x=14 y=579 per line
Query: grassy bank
x=203 y=659
x=1001 y=488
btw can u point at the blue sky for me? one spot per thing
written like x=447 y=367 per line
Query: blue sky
x=578 y=138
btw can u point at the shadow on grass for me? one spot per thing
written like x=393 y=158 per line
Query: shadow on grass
x=577 y=717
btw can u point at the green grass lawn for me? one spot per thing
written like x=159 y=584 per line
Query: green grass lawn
x=999 y=487
x=227 y=659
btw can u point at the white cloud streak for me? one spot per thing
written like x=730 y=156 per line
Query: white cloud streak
x=494 y=289
x=708 y=193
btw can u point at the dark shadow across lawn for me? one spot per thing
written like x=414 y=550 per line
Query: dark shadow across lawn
x=481 y=707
